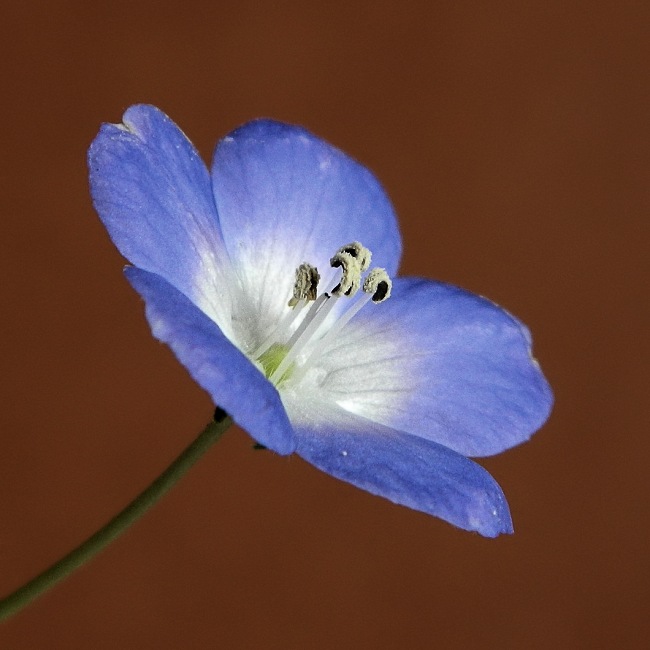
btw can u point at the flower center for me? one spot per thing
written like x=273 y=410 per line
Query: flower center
x=301 y=334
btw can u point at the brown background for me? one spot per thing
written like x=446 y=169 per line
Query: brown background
x=513 y=140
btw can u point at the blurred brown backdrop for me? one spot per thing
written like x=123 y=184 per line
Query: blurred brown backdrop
x=513 y=140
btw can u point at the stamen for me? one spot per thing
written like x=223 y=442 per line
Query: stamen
x=309 y=317
x=359 y=252
x=280 y=350
x=306 y=285
x=347 y=259
x=378 y=284
x=305 y=290
x=353 y=259
x=351 y=274
x=377 y=287
x=304 y=334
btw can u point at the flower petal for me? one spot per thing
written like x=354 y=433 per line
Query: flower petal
x=154 y=195
x=407 y=470
x=285 y=197
x=218 y=366
x=443 y=364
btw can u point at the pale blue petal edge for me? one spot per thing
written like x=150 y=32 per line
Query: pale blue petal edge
x=153 y=193
x=278 y=184
x=407 y=470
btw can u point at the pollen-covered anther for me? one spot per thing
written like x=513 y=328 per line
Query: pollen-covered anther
x=306 y=285
x=378 y=284
x=359 y=252
x=350 y=280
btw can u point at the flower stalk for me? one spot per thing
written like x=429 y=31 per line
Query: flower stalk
x=118 y=524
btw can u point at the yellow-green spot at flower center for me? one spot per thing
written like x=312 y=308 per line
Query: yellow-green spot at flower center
x=272 y=358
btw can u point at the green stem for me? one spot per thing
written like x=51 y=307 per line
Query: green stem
x=104 y=536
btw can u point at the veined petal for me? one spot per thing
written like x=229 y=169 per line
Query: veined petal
x=440 y=363
x=217 y=365
x=285 y=197
x=153 y=193
x=407 y=470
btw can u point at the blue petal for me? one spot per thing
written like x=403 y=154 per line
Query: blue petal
x=154 y=195
x=407 y=470
x=443 y=364
x=218 y=366
x=285 y=197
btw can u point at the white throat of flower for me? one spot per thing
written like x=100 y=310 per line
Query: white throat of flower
x=300 y=335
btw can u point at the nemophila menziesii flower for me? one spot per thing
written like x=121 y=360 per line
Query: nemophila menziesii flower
x=272 y=278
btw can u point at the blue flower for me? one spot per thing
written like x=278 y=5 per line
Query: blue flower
x=254 y=275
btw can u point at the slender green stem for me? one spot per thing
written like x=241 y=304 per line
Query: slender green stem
x=104 y=536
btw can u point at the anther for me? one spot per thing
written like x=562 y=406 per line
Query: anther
x=306 y=285
x=378 y=284
x=351 y=274
x=359 y=252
